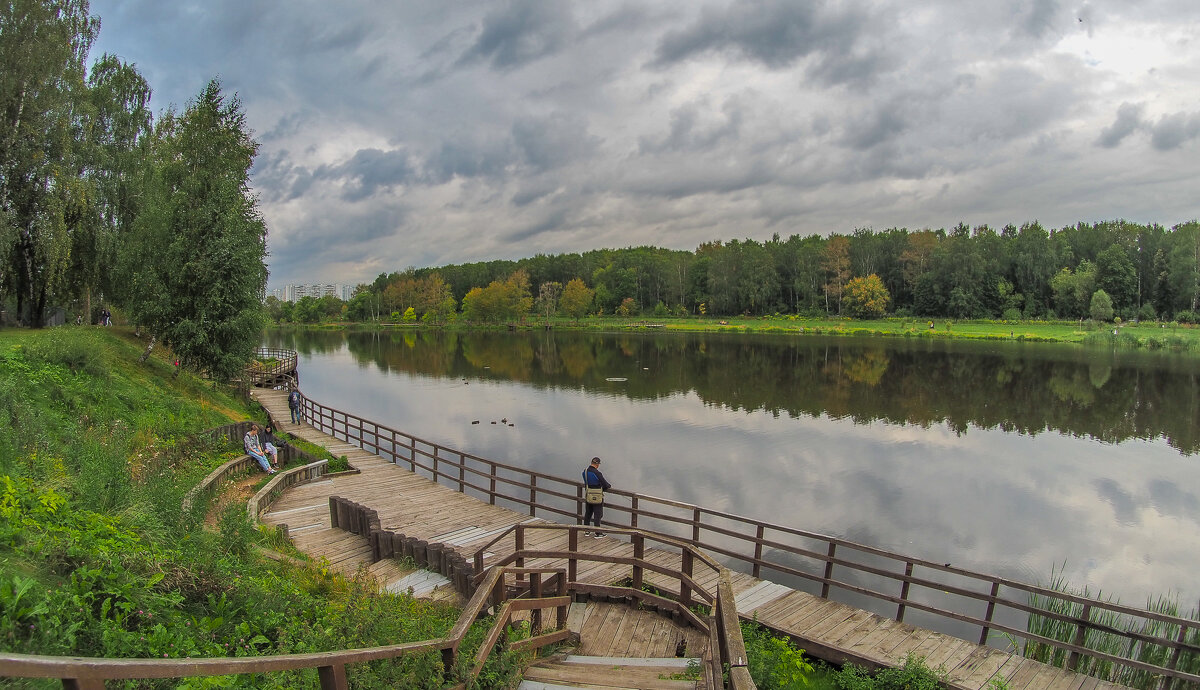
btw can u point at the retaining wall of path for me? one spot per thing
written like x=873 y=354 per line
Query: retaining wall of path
x=435 y=556
x=312 y=469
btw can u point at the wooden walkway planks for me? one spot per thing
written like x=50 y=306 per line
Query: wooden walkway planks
x=416 y=506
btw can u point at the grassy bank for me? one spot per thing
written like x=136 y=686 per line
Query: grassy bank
x=97 y=557
x=1145 y=335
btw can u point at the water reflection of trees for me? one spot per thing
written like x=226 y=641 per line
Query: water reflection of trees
x=1015 y=388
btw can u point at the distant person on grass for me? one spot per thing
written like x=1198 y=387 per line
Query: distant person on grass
x=593 y=478
x=255 y=450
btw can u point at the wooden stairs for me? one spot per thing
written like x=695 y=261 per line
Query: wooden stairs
x=609 y=673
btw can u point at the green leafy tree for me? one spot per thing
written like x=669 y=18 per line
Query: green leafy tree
x=1101 y=308
x=307 y=310
x=43 y=106
x=866 y=297
x=195 y=264
x=1116 y=274
x=113 y=141
x=1073 y=290
x=576 y=299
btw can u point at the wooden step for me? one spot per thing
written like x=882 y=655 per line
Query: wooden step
x=609 y=673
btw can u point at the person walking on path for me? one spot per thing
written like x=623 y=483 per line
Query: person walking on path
x=255 y=450
x=593 y=478
x=294 y=405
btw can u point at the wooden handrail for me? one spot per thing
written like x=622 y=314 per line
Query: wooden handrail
x=725 y=626
x=91 y=672
x=770 y=546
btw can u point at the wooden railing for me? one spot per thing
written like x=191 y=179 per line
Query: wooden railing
x=285 y=364
x=721 y=623
x=939 y=596
x=727 y=650
x=91 y=673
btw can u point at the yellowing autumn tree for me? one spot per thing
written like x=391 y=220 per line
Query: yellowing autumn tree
x=866 y=298
x=576 y=299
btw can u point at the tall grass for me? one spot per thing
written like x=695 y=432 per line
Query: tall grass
x=1108 y=642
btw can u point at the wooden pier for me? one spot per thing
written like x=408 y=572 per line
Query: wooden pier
x=420 y=507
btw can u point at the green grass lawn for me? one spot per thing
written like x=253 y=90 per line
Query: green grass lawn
x=1146 y=335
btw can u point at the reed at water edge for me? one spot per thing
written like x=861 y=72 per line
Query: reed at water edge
x=1107 y=642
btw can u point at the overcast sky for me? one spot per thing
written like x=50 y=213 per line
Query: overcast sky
x=398 y=134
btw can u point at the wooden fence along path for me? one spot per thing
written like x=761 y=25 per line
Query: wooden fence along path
x=418 y=507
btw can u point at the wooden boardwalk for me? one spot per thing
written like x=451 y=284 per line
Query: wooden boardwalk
x=418 y=507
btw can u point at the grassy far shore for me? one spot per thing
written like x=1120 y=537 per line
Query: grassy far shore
x=1130 y=335
x=98 y=558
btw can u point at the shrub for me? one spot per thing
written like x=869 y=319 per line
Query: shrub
x=774 y=662
x=913 y=675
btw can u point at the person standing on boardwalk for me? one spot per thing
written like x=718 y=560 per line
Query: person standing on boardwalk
x=593 y=478
x=294 y=405
x=255 y=450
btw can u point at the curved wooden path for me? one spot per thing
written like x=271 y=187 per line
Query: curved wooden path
x=418 y=507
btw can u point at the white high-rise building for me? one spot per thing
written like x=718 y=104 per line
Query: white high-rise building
x=294 y=293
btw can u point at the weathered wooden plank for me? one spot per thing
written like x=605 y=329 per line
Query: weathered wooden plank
x=978 y=667
x=1025 y=672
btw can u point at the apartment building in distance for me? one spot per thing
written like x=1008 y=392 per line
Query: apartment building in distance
x=294 y=293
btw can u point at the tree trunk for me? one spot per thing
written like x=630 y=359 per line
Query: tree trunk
x=146 y=354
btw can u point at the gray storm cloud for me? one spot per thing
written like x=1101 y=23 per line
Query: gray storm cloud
x=411 y=135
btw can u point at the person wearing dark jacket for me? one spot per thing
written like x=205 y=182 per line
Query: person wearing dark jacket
x=593 y=478
x=270 y=444
x=294 y=405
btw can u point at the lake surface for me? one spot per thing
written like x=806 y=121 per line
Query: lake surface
x=1007 y=458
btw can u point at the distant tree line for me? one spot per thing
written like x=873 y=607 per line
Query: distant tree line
x=1105 y=270
x=102 y=206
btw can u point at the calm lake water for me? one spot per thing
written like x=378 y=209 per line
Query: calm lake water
x=1007 y=458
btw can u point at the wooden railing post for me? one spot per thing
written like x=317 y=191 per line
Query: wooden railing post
x=828 y=570
x=573 y=547
x=560 y=616
x=462 y=475
x=535 y=592
x=1164 y=682
x=532 y=495
x=519 y=546
x=492 y=489
x=696 y=525
x=908 y=568
x=435 y=465
x=639 y=552
x=334 y=677
x=1080 y=636
x=633 y=512
x=991 y=610
x=758 y=539
x=685 y=589
x=498 y=596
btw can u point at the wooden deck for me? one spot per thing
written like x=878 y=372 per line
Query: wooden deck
x=418 y=507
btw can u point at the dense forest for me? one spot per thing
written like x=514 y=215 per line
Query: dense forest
x=1105 y=270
